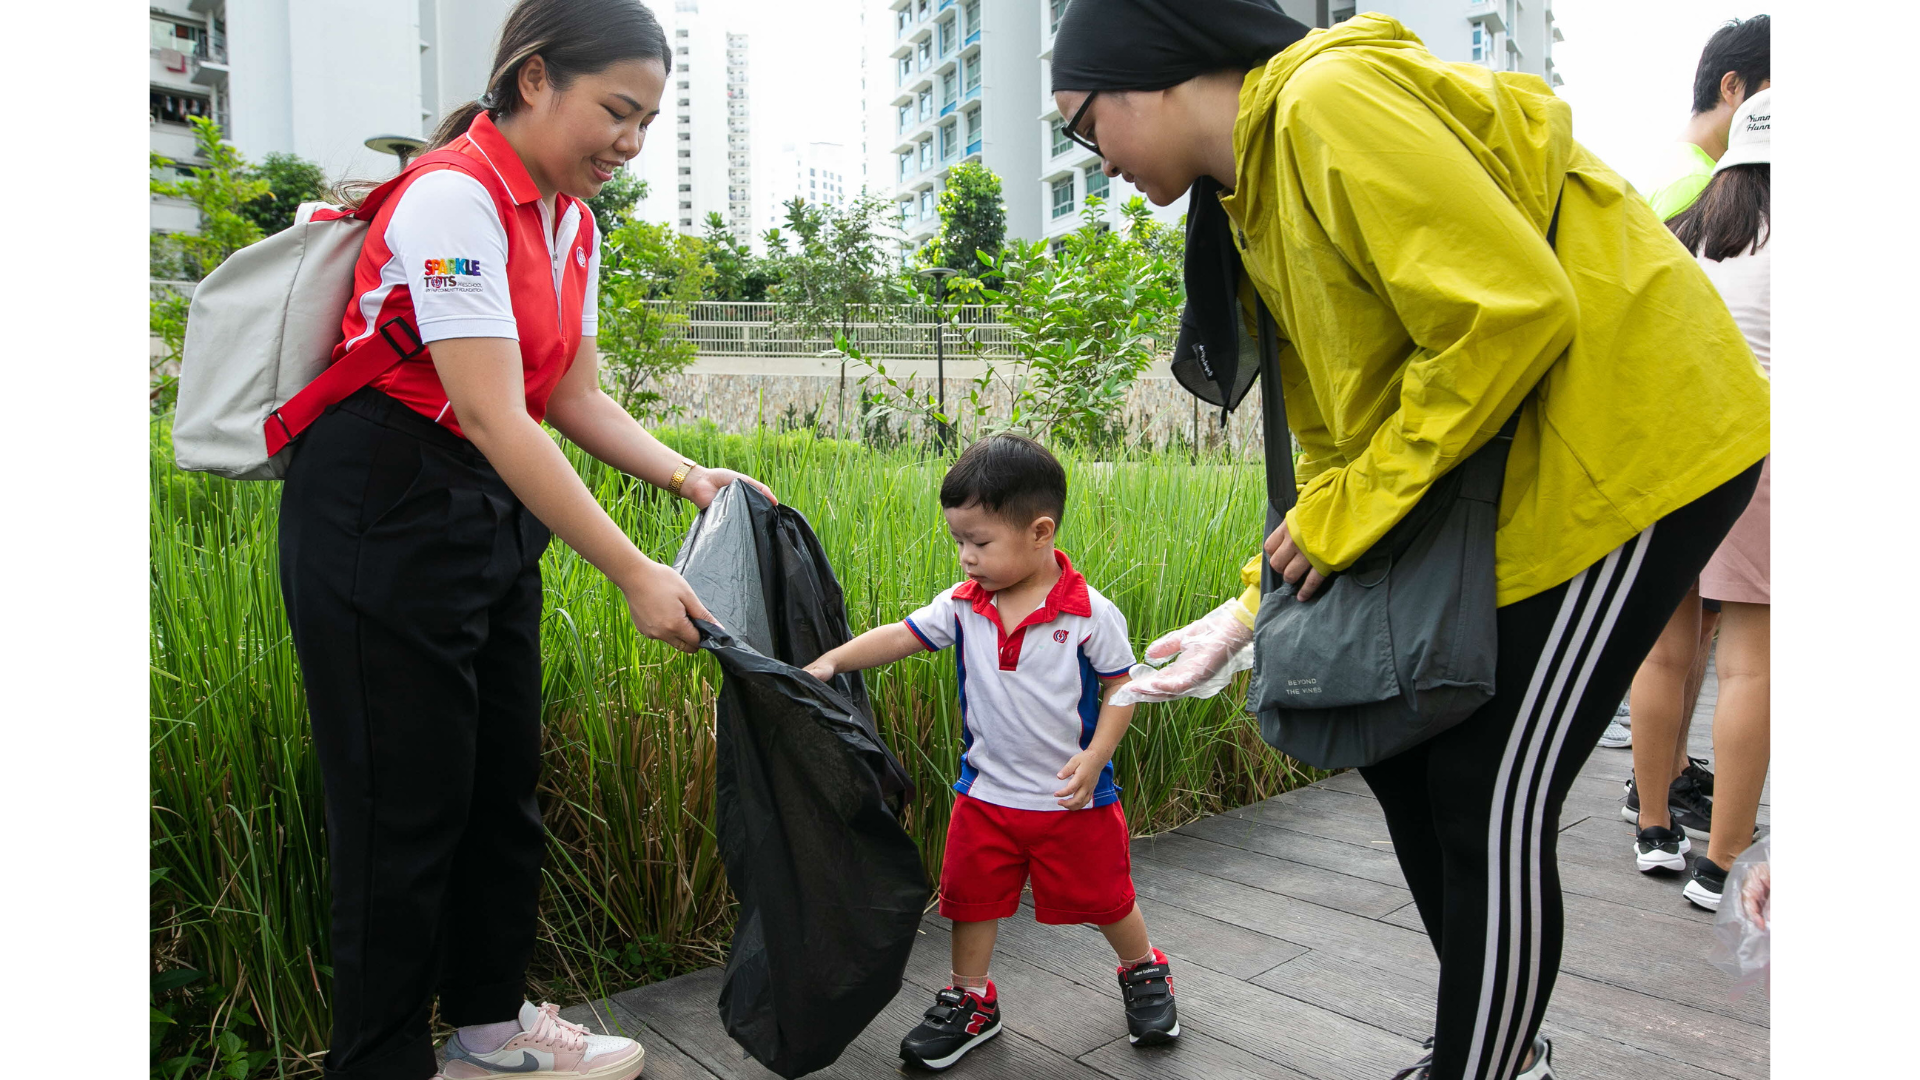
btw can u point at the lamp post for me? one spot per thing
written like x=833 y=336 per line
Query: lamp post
x=940 y=274
x=400 y=146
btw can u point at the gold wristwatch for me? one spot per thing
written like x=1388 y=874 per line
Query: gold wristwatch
x=680 y=476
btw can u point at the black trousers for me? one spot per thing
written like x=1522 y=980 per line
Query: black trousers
x=412 y=581
x=1474 y=813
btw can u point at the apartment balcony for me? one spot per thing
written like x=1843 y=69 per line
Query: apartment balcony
x=973 y=148
x=1489 y=14
x=947 y=109
x=972 y=94
x=1557 y=34
x=970 y=41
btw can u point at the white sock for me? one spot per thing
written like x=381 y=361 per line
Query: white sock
x=976 y=983
x=487 y=1038
x=1142 y=960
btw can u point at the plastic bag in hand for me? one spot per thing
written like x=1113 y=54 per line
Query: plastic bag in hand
x=1212 y=650
x=1743 y=927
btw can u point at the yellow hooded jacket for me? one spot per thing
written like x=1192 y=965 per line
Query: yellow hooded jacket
x=1391 y=209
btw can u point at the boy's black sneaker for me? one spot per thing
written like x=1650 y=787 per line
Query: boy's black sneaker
x=1691 y=811
x=1704 y=884
x=1661 y=849
x=958 y=1021
x=1147 y=989
x=1701 y=776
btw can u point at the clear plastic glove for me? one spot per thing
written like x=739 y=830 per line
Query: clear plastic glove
x=1212 y=650
x=1743 y=930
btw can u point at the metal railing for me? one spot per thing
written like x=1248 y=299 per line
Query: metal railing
x=879 y=331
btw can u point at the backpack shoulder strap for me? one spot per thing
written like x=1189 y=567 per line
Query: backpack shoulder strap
x=397 y=339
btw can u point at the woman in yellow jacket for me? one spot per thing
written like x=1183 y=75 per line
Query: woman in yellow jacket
x=1392 y=211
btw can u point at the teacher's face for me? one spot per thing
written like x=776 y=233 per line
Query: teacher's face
x=1140 y=136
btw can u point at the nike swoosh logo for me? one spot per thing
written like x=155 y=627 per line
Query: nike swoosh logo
x=528 y=1063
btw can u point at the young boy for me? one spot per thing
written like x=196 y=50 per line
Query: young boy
x=1036 y=794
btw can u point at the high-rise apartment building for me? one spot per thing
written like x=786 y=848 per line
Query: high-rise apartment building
x=1505 y=35
x=958 y=84
x=817 y=172
x=311 y=79
x=699 y=154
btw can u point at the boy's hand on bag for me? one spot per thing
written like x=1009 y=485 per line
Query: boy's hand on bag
x=1082 y=775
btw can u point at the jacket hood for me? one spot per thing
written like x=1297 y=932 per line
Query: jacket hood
x=1510 y=121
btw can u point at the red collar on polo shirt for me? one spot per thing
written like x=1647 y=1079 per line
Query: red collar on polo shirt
x=1067 y=597
x=496 y=151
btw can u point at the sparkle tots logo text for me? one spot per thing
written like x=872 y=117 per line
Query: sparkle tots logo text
x=461 y=275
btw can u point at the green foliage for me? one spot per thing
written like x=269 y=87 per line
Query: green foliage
x=223 y=188
x=973 y=219
x=739 y=274
x=641 y=343
x=614 y=205
x=634 y=885
x=291 y=180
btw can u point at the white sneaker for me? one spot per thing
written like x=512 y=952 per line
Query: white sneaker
x=1542 y=1060
x=1617 y=735
x=547 y=1046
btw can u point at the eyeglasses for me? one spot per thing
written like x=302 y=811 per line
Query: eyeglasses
x=1073 y=125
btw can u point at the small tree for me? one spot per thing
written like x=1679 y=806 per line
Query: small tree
x=973 y=219
x=291 y=180
x=221 y=189
x=838 y=268
x=640 y=343
x=614 y=205
x=738 y=274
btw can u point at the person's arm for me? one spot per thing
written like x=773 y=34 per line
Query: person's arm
x=584 y=413
x=1082 y=771
x=485 y=383
x=1422 y=225
x=880 y=645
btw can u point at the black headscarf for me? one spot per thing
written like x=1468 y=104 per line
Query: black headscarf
x=1151 y=45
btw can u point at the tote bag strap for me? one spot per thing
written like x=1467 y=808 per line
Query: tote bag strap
x=1281 y=493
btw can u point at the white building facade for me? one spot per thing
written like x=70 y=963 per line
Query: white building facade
x=698 y=158
x=956 y=83
x=819 y=172
x=311 y=79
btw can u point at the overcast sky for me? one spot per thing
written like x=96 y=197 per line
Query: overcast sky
x=1628 y=66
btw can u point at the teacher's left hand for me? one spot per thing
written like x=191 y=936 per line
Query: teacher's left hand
x=1285 y=556
x=701 y=487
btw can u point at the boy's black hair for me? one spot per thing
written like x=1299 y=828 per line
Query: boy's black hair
x=1744 y=47
x=1010 y=476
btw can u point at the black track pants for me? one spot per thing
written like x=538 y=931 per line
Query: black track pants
x=412 y=580
x=1475 y=812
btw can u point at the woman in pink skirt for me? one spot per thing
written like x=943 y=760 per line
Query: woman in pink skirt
x=1728 y=230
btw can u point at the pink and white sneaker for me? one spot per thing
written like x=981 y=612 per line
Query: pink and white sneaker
x=547 y=1046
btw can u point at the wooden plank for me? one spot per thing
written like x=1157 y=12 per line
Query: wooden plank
x=664 y=1061
x=1400 y=1000
x=1350 y=782
x=683 y=1011
x=1374 y=862
x=1578 y=1053
x=1193 y=1057
x=1667 y=1029
x=1656 y=954
x=1342 y=892
x=1321 y=929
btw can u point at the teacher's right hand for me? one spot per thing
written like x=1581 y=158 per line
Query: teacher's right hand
x=664 y=606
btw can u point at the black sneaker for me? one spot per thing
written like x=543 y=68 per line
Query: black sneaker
x=958 y=1021
x=1689 y=810
x=1661 y=849
x=1704 y=884
x=1147 y=989
x=1701 y=775
x=1419 y=1070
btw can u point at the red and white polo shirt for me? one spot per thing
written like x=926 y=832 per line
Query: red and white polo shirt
x=1030 y=699
x=477 y=254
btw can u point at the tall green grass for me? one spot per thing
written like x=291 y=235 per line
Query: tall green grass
x=634 y=887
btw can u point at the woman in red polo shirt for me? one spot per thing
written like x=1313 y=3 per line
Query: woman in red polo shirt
x=411 y=530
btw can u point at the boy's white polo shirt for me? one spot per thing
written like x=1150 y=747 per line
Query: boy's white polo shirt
x=1029 y=700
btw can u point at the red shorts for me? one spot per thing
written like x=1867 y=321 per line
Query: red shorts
x=1081 y=867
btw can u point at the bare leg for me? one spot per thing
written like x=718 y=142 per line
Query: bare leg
x=1128 y=936
x=1742 y=729
x=1696 y=679
x=973 y=947
x=1658 y=693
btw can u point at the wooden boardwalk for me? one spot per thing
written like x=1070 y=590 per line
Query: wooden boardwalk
x=1297 y=954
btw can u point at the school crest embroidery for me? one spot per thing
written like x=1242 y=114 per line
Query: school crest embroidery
x=1060 y=636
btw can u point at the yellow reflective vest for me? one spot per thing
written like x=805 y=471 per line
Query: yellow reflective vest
x=1391 y=209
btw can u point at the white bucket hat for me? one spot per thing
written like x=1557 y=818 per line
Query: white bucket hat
x=1749 y=140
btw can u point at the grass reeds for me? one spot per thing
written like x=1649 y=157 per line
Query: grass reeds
x=634 y=887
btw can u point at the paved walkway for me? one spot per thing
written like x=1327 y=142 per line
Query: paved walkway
x=1297 y=954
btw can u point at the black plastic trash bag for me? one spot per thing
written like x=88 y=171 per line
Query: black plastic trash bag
x=806 y=795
